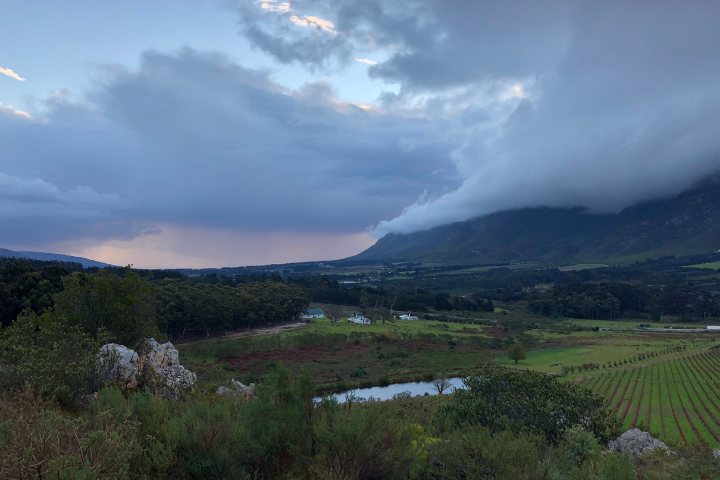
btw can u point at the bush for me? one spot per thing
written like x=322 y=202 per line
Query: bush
x=580 y=445
x=474 y=452
x=51 y=356
x=502 y=398
x=384 y=381
x=357 y=373
x=37 y=441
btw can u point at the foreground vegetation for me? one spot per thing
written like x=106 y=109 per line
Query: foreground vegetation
x=513 y=421
x=284 y=434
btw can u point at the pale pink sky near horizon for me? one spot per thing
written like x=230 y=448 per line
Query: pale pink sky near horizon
x=179 y=247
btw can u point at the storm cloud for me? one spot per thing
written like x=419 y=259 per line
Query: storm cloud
x=195 y=140
x=482 y=106
x=618 y=100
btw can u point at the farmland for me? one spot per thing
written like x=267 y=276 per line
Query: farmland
x=677 y=399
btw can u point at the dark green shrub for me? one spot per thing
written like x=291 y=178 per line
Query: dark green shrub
x=357 y=373
x=56 y=358
x=502 y=398
x=384 y=381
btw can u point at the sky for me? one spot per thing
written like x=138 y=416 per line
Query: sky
x=209 y=133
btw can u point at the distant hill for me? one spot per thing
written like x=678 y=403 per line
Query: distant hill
x=53 y=257
x=687 y=224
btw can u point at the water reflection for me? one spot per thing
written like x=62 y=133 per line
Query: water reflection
x=396 y=390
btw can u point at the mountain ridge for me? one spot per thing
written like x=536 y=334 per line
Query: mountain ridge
x=86 y=262
x=686 y=224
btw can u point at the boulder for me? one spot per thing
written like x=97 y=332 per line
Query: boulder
x=247 y=391
x=716 y=454
x=635 y=442
x=163 y=372
x=225 y=391
x=159 y=369
x=118 y=364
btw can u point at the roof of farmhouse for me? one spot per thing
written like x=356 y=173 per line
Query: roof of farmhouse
x=314 y=311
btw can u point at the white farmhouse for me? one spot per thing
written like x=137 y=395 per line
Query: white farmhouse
x=713 y=328
x=314 y=313
x=359 y=318
x=407 y=316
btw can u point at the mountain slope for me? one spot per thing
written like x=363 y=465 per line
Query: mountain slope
x=52 y=257
x=684 y=225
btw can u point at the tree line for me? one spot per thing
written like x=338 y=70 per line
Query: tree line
x=607 y=301
x=393 y=297
x=172 y=307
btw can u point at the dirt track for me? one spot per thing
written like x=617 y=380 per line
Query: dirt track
x=258 y=332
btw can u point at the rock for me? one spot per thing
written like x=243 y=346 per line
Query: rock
x=225 y=391
x=635 y=442
x=247 y=391
x=163 y=372
x=118 y=364
x=716 y=454
x=159 y=369
x=164 y=354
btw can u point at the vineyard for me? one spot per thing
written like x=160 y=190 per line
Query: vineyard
x=678 y=399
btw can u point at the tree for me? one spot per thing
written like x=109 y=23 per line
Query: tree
x=441 y=384
x=333 y=311
x=384 y=314
x=124 y=307
x=516 y=352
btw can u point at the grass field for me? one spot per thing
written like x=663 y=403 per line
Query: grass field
x=341 y=355
x=677 y=399
x=665 y=382
x=711 y=266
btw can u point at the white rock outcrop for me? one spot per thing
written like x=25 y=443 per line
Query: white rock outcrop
x=119 y=364
x=247 y=391
x=159 y=369
x=224 y=391
x=636 y=442
x=238 y=388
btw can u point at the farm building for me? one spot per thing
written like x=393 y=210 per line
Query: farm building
x=407 y=316
x=314 y=313
x=359 y=318
x=713 y=328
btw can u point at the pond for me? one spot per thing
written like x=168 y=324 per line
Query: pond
x=415 y=389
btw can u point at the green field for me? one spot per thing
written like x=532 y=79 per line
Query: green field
x=711 y=266
x=662 y=382
x=341 y=355
x=632 y=323
x=678 y=399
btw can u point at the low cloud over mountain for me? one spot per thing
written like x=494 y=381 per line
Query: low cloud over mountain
x=618 y=99
x=481 y=107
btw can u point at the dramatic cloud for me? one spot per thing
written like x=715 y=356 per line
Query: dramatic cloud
x=553 y=103
x=195 y=141
x=485 y=106
x=282 y=31
x=10 y=73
